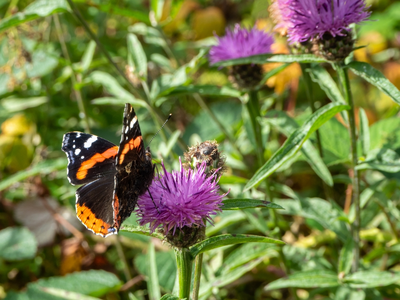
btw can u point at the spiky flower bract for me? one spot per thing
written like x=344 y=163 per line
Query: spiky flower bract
x=307 y=19
x=241 y=42
x=184 y=198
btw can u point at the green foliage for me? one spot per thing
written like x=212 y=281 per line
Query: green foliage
x=286 y=230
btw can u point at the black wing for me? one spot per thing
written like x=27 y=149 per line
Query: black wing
x=89 y=157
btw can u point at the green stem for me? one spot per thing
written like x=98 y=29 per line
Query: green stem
x=184 y=264
x=253 y=108
x=197 y=275
x=345 y=84
x=77 y=92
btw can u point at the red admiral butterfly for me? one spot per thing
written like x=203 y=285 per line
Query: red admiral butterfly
x=113 y=177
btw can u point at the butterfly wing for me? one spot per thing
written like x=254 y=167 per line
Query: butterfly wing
x=134 y=168
x=89 y=157
x=91 y=161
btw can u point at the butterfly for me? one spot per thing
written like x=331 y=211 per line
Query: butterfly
x=112 y=177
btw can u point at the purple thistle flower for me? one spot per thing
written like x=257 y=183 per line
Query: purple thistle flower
x=306 y=19
x=241 y=42
x=181 y=198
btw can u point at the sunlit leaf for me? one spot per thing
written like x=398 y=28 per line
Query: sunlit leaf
x=235 y=204
x=306 y=279
x=376 y=78
x=294 y=142
x=229 y=239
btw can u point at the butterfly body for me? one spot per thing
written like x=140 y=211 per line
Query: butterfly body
x=113 y=177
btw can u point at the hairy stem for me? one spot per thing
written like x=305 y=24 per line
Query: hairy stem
x=345 y=84
x=184 y=264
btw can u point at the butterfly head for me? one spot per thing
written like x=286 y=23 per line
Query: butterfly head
x=148 y=154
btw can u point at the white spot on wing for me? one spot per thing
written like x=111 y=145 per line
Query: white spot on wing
x=82 y=157
x=77 y=151
x=90 y=141
x=73 y=146
x=126 y=129
x=78 y=135
x=133 y=122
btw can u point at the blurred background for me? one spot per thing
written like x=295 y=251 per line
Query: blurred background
x=54 y=79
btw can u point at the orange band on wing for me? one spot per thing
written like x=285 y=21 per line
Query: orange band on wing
x=132 y=144
x=117 y=219
x=97 y=158
x=88 y=218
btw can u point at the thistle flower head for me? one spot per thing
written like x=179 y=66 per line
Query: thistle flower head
x=306 y=19
x=241 y=42
x=184 y=198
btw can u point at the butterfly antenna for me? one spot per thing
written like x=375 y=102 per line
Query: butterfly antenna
x=169 y=117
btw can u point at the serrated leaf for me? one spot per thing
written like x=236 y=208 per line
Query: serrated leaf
x=17 y=243
x=376 y=78
x=294 y=142
x=94 y=283
x=137 y=56
x=235 y=204
x=36 y=10
x=43 y=168
x=229 y=239
x=306 y=279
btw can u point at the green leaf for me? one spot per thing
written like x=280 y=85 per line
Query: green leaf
x=245 y=254
x=385 y=160
x=229 y=239
x=235 y=204
x=169 y=297
x=321 y=76
x=157 y=7
x=152 y=282
x=94 y=283
x=287 y=126
x=335 y=141
x=372 y=279
x=138 y=60
x=43 y=168
x=226 y=220
x=294 y=142
x=328 y=85
x=113 y=8
x=87 y=56
x=36 y=10
x=114 y=88
x=346 y=256
x=376 y=78
x=19 y=104
x=385 y=133
x=205 y=90
x=364 y=131
x=141 y=230
x=232 y=179
x=306 y=279
x=299 y=58
x=17 y=243
x=268 y=58
x=63 y=294
x=118 y=101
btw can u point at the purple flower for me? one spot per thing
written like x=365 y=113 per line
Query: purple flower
x=306 y=19
x=181 y=198
x=241 y=42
